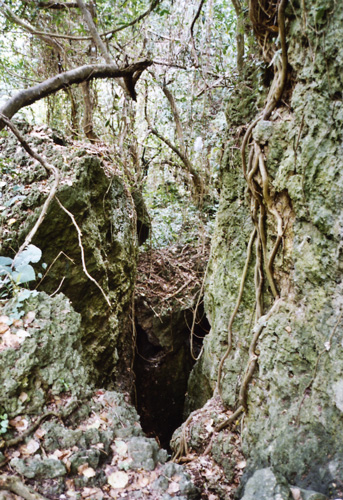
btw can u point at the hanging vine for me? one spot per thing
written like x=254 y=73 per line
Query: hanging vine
x=262 y=200
x=268 y=20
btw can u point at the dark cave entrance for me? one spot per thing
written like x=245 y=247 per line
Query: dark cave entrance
x=163 y=363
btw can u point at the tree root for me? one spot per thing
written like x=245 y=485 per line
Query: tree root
x=250 y=368
x=263 y=202
x=183 y=446
x=234 y=313
x=255 y=172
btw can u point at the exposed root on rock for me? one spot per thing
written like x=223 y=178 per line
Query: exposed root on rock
x=263 y=205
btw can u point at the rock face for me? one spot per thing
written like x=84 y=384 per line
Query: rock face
x=265 y=485
x=49 y=357
x=295 y=401
x=104 y=211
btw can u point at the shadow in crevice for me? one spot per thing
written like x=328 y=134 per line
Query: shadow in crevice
x=162 y=373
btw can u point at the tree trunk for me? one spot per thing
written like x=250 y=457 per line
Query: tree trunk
x=88 y=113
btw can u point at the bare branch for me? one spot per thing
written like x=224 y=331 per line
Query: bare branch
x=79 y=235
x=12 y=483
x=192 y=35
x=55 y=5
x=65 y=80
x=46 y=37
x=153 y=5
x=175 y=111
x=58 y=5
x=94 y=32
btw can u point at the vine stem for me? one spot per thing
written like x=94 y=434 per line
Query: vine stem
x=234 y=312
x=258 y=328
x=79 y=234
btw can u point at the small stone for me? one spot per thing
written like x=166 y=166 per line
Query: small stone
x=144 y=453
x=36 y=467
x=300 y=494
x=266 y=485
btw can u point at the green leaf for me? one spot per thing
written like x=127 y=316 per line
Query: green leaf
x=24 y=274
x=5 y=261
x=5 y=270
x=30 y=254
x=25 y=294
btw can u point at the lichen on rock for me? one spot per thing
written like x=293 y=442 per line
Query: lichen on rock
x=294 y=407
x=49 y=359
x=103 y=208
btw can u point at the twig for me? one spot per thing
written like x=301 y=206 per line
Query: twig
x=167 y=297
x=12 y=483
x=153 y=5
x=59 y=287
x=79 y=234
x=49 y=168
x=192 y=35
x=52 y=263
x=29 y=431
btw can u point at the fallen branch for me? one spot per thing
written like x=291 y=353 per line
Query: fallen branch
x=60 y=415
x=167 y=297
x=18 y=439
x=15 y=485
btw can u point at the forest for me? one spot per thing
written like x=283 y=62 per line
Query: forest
x=171 y=249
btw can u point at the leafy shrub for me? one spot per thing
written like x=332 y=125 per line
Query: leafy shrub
x=17 y=271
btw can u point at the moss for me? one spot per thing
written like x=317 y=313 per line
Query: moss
x=294 y=403
x=50 y=358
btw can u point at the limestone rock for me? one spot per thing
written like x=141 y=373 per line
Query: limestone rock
x=266 y=485
x=294 y=402
x=38 y=468
x=145 y=453
x=104 y=210
x=50 y=358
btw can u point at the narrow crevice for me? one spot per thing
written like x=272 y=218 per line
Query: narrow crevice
x=162 y=372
